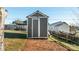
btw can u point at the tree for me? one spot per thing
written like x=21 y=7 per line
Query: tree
x=72 y=30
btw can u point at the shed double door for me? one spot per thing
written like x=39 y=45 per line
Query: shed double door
x=39 y=28
x=35 y=28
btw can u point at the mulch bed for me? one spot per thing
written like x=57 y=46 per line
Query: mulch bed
x=42 y=45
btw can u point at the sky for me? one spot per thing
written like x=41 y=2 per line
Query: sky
x=65 y=14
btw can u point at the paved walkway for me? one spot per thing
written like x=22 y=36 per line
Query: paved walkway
x=43 y=45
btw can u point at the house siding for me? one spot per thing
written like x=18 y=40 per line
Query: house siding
x=64 y=28
x=43 y=27
x=30 y=27
x=60 y=27
x=35 y=28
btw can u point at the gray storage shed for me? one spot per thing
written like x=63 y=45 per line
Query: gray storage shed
x=37 y=25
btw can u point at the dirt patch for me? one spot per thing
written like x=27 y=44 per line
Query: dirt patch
x=42 y=45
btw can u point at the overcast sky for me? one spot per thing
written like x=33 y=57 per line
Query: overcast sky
x=66 y=14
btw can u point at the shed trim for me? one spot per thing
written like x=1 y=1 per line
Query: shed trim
x=35 y=13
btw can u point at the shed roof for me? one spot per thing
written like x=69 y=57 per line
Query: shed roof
x=37 y=13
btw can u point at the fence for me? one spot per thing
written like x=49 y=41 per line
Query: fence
x=66 y=36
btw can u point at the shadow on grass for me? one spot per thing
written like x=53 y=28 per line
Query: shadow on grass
x=15 y=35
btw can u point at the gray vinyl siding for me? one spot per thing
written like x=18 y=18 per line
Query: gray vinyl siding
x=35 y=28
x=43 y=27
x=29 y=27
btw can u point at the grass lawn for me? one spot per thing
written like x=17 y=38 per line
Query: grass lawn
x=15 y=34
x=65 y=44
x=15 y=31
x=14 y=44
x=14 y=40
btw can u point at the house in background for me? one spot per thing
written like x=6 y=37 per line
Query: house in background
x=9 y=26
x=60 y=27
x=22 y=25
x=37 y=25
x=73 y=30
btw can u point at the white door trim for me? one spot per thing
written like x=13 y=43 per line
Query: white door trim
x=38 y=27
x=32 y=27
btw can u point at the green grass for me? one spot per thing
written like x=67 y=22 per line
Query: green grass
x=71 y=46
x=14 y=40
x=15 y=34
x=18 y=44
x=14 y=31
x=14 y=44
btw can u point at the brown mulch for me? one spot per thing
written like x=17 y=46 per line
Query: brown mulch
x=42 y=45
